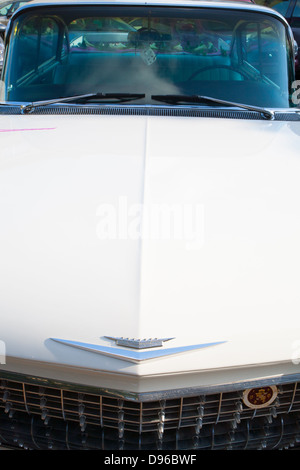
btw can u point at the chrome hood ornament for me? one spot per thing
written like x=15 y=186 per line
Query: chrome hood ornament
x=138 y=343
x=130 y=355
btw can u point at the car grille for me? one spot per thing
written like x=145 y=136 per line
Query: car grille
x=44 y=417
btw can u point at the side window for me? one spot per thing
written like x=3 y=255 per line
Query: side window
x=27 y=46
x=258 y=46
x=65 y=47
x=251 y=44
x=49 y=40
x=37 y=42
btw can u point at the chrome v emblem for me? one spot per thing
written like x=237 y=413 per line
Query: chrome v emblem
x=130 y=355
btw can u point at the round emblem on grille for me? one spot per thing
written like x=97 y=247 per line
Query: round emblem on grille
x=259 y=397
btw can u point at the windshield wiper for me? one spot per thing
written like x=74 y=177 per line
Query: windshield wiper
x=123 y=97
x=175 y=99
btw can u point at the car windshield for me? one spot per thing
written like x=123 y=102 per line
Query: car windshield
x=229 y=54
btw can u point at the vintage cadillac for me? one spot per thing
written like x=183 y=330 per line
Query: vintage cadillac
x=150 y=227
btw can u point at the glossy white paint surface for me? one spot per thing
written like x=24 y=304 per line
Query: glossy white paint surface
x=58 y=176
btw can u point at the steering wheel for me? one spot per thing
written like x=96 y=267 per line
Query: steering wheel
x=148 y=34
x=226 y=67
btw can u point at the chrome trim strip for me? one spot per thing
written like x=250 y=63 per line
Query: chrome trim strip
x=155 y=395
x=32 y=433
x=292 y=401
x=62 y=404
x=289 y=114
x=180 y=413
x=248 y=434
x=281 y=434
x=24 y=397
x=132 y=356
x=219 y=408
x=101 y=412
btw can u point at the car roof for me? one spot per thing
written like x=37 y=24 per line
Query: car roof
x=136 y=2
x=139 y=2
x=230 y=4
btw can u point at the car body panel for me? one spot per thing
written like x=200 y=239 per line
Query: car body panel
x=69 y=282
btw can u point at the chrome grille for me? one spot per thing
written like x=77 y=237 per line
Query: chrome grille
x=38 y=417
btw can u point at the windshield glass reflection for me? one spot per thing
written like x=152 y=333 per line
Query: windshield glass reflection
x=231 y=55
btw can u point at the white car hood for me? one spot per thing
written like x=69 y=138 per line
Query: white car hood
x=69 y=182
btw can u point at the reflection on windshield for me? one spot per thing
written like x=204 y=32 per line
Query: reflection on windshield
x=235 y=56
